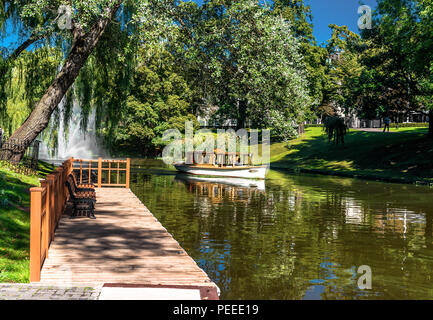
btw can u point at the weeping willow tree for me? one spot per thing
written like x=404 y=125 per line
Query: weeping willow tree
x=31 y=73
x=77 y=32
x=98 y=39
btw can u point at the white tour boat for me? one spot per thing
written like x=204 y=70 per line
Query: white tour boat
x=224 y=164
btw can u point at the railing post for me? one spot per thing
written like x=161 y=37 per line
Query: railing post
x=90 y=172
x=35 y=234
x=99 y=172
x=109 y=172
x=63 y=190
x=47 y=226
x=59 y=196
x=128 y=166
x=51 y=182
x=70 y=166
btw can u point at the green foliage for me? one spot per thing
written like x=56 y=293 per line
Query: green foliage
x=37 y=22
x=159 y=100
x=300 y=16
x=235 y=55
x=397 y=63
x=244 y=60
x=239 y=60
x=25 y=83
x=343 y=68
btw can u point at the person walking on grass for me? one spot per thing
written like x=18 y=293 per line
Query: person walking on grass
x=387 y=122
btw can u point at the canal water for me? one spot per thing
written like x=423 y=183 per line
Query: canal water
x=297 y=236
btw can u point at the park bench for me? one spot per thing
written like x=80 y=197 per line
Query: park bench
x=82 y=186
x=87 y=189
x=83 y=201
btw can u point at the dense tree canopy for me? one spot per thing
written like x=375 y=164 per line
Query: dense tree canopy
x=149 y=64
x=300 y=16
x=243 y=62
x=159 y=100
x=395 y=62
x=236 y=56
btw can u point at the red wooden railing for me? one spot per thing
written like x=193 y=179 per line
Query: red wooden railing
x=48 y=202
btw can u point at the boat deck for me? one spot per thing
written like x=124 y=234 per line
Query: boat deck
x=125 y=245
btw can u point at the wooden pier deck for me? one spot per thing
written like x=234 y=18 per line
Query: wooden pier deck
x=125 y=245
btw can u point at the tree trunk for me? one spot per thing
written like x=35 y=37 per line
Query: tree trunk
x=38 y=120
x=301 y=128
x=242 y=117
x=430 y=126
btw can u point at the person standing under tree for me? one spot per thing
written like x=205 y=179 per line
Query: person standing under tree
x=387 y=121
x=1 y=137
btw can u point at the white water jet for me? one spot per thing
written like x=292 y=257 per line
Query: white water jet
x=77 y=143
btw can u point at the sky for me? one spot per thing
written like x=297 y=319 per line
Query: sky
x=339 y=12
x=325 y=12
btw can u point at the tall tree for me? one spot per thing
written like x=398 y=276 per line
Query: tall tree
x=247 y=61
x=159 y=100
x=424 y=58
x=397 y=57
x=300 y=16
x=343 y=69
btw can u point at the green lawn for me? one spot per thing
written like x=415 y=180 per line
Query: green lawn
x=15 y=223
x=405 y=155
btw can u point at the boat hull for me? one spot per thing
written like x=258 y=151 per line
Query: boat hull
x=233 y=172
x=229 y=181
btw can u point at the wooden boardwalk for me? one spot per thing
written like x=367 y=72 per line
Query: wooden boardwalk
x=125 y=245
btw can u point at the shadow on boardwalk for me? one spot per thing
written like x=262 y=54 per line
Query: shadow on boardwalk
x=125 y=244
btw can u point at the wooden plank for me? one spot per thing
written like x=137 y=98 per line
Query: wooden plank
x=125 y=244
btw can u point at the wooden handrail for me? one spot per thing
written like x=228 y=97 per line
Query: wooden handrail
x=114 y=166
x=48 y=202
x=46 y=207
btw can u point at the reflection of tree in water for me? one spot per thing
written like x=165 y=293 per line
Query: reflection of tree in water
x=386 y=236
x=302 y=233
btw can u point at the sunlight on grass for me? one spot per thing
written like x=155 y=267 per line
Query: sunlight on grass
x=337 y=165
x=400 y=155
x=15 y=223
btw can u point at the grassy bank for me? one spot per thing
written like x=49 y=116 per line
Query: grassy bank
x=15 y=223
x=399 y=156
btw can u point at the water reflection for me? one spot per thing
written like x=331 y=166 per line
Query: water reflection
x=236 y=182
x=220 y=189
x=300 y=237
